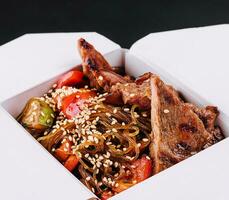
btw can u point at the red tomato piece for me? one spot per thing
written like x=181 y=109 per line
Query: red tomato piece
x=70 y=78
x=63 y=152
x=106 y=195
x=143 y=169
x=71 y=162
x=71 y=104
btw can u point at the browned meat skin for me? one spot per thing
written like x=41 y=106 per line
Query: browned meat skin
x=177 y=131
x=121 y=89
x=92 y=59
x=96 y=68
x=133 y=93
x=208 y=116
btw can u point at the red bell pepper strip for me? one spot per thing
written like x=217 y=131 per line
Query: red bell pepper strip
x=63 y=152
x=142 y=168
x=64 y=155
x=70 y=78
x=71 y=162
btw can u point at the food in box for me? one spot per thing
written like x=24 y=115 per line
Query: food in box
x=120 y=130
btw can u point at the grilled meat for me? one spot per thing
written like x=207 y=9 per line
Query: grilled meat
x=177 y=131
x=122 y=89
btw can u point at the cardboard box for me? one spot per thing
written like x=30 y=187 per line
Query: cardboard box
x=194 y=61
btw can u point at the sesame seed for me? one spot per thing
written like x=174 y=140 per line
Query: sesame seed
x=116 y=185
x=115 y=111
x=90 y=138
x=147 y=157
x=98 y=164
x=114 y=130
x=116 y=164
x=144 y=115
x=86 y=86
x=108 y=154
x=108 y=114
x=139 y=144
x=128 y=157
x=100 y=78
x=123 y=124
x=93 y=190
x=48 y=121
x=166 y=111
x=126 y=109
x=88 y=178
x=96 y=140
x=134 y=182
x=145 y=139
x=43 y=114
x=132 y=95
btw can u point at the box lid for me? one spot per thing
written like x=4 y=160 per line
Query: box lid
x=198 y=57
x=33 y=58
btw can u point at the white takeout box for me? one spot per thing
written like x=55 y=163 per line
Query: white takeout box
x=194 y=61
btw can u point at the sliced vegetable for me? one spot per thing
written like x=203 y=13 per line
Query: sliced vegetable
x=70 y=78
x=106 y=195
x=71 y=162
x=142 y=168
x=71 y=104
x=63 y=152
x=37 y=117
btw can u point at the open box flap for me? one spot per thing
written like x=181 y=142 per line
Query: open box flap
x=27 y=62
x=197 y=57
x=33 y=58
x=28 y=171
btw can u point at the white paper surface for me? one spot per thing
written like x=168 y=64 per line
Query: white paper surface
x=197 y=57
x=34 y=58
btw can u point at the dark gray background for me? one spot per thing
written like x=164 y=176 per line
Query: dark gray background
x=122 y=21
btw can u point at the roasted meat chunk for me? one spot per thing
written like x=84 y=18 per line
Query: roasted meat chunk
x=209 y=115
x=122 y=89
x=133 y=93
x=177 y=131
